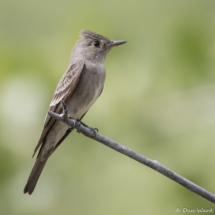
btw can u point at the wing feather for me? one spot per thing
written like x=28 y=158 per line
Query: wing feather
x=64 y=90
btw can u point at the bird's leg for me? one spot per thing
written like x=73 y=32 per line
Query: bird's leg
x=66 y=118
x=77 y=122
x=94 y=130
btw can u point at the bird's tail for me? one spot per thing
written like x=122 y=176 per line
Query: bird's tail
x=34 y=176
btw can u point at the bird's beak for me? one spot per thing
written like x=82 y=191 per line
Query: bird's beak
x=116 y=43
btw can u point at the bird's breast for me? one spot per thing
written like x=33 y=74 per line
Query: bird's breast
x=87 y=90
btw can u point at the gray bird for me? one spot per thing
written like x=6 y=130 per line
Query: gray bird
x=79 y=88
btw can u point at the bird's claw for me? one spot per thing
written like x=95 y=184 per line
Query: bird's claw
x=76 y=124
x=94 y=130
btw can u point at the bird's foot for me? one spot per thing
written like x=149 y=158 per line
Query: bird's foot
x=94 y=130
x=76 y=124
x=66 y=118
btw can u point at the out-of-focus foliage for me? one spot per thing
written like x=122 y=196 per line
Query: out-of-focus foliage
x=159 y=100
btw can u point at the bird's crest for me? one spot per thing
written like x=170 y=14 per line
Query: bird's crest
x=85 y=34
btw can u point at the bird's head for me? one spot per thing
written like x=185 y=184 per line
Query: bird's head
x=94 y=47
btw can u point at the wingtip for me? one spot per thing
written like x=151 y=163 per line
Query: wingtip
x=34 y=152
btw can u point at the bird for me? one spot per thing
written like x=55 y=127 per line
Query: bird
x=79 y=88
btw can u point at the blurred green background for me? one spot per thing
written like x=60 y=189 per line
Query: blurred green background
x=158 y=99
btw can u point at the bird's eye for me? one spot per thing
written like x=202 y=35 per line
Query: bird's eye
x=96 y=43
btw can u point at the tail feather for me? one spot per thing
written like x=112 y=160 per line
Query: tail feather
x=34 y=176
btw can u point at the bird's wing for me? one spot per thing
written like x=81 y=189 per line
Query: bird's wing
x=64 y=90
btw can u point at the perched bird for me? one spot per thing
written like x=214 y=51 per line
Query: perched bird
x=79 y=88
